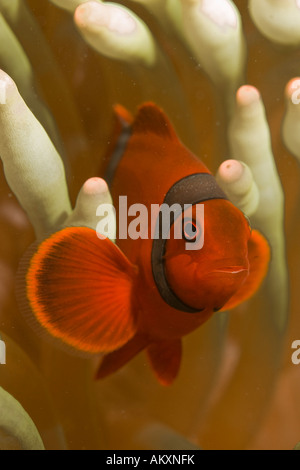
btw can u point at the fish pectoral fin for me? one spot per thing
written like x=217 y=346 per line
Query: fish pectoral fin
x=79 y=289
x=119 y=358
x=165 y=359
x=259 y=257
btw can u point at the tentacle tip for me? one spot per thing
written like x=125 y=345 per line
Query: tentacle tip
x=220 y=12
x=95 y=186
x=230 y=171
x=292 y=89
x=247 y=95
x=112 y=17
x=83 y=14
x=7 y=87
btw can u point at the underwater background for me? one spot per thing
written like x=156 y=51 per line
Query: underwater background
x=238 y=387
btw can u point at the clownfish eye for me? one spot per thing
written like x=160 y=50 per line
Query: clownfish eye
x=190 y=230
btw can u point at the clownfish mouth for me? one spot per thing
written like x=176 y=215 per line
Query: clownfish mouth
x=231 y=269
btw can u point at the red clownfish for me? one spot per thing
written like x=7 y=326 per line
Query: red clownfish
x=146 y=294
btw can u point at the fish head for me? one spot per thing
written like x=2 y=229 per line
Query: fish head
x=207 y=265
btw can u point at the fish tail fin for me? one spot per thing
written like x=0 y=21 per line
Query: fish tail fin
x=165 y=359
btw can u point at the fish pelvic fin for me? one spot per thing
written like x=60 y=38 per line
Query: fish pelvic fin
x=117 y=359
x=165 y=359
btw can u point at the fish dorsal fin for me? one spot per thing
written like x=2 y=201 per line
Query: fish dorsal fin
x=122 y=115
x=151 y=119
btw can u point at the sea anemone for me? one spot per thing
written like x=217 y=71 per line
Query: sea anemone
x=227 y=78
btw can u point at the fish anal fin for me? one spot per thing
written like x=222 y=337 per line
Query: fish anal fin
x=79 y=289
x=151 y=119
x=165 y=359
x=117 y=359
x=259 y=257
